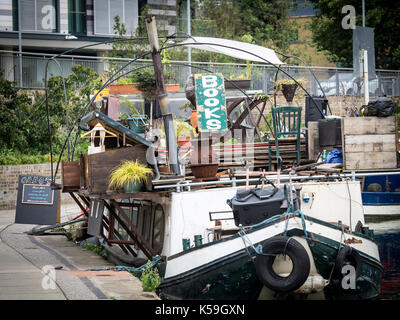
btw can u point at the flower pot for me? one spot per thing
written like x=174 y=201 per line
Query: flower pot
x=133 y=187
x=235 y=84
x=126 y=88
x=183 y=140
x=206 y=170
x=130 y=88
x=163 y=169
x=289 y=91
x=193 y=119
x=137 y=123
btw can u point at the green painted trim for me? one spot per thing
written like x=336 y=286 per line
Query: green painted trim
x=321 y=247
x=261 y=226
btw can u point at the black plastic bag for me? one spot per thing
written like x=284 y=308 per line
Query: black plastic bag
x=381 y=107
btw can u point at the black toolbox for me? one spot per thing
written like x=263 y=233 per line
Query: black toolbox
x=255 y=205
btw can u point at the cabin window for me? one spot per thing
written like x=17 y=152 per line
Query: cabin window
x=132 y=211
x=148 y=218
x=145 y=216
x=158 y=228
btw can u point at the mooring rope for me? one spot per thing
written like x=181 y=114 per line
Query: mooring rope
x=136 y=271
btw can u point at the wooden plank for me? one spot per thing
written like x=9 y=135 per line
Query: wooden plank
x=368 y=160
x=369 y=125
x=370 y=143
x=313 y=140
x=101 y=164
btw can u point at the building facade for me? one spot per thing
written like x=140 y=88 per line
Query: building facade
x=54 y=26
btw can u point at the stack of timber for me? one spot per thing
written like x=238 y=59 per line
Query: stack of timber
x=233 y=155
x=369 y=143
x=257 y=153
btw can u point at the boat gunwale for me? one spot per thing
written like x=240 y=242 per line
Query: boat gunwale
x=209 y=266
x=262 y=225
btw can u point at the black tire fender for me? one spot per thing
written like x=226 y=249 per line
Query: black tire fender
x=300 y=260
x=347 y=254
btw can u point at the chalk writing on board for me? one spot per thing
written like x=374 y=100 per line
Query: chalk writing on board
x=37 y=194
x=35 y=180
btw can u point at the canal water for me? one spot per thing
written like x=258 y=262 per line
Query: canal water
x=387 y=235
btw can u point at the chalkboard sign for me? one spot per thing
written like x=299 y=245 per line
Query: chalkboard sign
x=37 y=194
x=37 y=203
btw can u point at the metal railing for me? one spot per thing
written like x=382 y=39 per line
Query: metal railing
x=335 y=81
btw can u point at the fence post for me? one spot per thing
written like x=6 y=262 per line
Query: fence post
x=337 y=83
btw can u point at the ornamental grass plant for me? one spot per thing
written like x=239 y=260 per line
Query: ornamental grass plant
x=129 y=172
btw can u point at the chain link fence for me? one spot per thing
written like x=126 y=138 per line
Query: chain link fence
x=334 y=81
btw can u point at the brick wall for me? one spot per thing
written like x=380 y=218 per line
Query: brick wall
x=9 y=182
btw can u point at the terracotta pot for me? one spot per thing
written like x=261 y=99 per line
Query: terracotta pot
x=163 y=169
x=130 y=88
x=206 y=170
x=193 y=119
x=183 y=140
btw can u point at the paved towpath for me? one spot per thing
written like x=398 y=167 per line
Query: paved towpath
x=29 y=263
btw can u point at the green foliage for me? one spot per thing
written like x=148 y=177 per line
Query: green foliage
x=266 y=22
x=96 y=249
x=382 y=15
x=24 y=132
x=127 y=172
x=183 y=129
x=228 y=142
x=150 y=278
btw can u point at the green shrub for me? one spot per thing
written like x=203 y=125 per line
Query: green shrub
x=96 y=249
x=150 y=278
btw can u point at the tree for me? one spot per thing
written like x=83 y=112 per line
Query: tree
x=266 y=21
x=24 y=134
x=382 y=15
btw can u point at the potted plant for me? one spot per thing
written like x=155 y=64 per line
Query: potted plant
x=142 y=81
x=288 y=88
x=242 y=81
x=131 y=176
x=135 y=120
x=183 y=130
x=193 y=116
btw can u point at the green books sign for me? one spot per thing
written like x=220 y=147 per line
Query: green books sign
x=211 y=104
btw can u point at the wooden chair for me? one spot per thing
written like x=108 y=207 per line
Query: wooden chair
x=286 y=122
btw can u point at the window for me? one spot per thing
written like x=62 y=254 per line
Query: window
x=37 y=15
x=77 y=17
x=106 y=10
x=147 y=218
x=157 y=241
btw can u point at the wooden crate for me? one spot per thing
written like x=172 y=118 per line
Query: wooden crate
x=70 y=173
x=97 y=167
x=369 y=143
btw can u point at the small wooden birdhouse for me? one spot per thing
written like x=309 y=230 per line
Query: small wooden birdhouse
x=100 y=133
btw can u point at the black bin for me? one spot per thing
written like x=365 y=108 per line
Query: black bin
x=256 y=205
x=330 y=132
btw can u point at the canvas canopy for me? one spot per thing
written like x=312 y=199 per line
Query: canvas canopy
x=228 y=47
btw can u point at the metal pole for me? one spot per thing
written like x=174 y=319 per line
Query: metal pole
x=363 y=13
x=365 y=74
x=162 y=95
x=189 y=29
x=20 y=43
